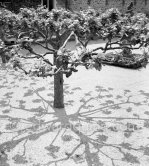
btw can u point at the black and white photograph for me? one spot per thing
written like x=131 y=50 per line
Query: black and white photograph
x=74 y=83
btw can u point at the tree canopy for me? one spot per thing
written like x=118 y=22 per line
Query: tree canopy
x=56 y=27
x=52 y=30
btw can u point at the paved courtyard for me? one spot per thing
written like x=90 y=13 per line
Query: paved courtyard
x=105 y=121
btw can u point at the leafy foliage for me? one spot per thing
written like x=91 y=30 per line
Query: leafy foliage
x=56 y=27
x=51 y=31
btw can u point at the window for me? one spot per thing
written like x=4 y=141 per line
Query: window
x=48 y=3
x=44 y=3
x=50 y=6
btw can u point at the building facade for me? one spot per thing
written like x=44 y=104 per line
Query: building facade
x=139 y=5
x=50 y=4
x=75 y=5
x=15 y=5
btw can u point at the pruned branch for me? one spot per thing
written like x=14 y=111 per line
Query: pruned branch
x=66 y=41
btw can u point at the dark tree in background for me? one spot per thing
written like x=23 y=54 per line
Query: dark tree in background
x=15 y=5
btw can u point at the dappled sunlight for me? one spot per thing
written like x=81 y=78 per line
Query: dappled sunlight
x=103 y=126
x=104 y=116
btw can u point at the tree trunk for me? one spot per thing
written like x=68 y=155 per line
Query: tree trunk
x=58 y=87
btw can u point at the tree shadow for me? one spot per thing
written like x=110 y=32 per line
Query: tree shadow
x=108 y=128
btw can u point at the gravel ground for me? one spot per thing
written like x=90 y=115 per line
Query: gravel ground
x=105 y=121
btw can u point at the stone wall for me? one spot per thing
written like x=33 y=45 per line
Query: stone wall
x=139 y=5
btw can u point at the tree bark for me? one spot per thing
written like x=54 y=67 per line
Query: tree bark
x=58 y=87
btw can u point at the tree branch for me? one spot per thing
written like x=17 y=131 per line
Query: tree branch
x=46 y=47
x=66 y=41
x=41 y=56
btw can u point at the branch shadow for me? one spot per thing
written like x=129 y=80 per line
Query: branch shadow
x=107 y=128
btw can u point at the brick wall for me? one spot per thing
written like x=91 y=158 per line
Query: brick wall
x=140 y=5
